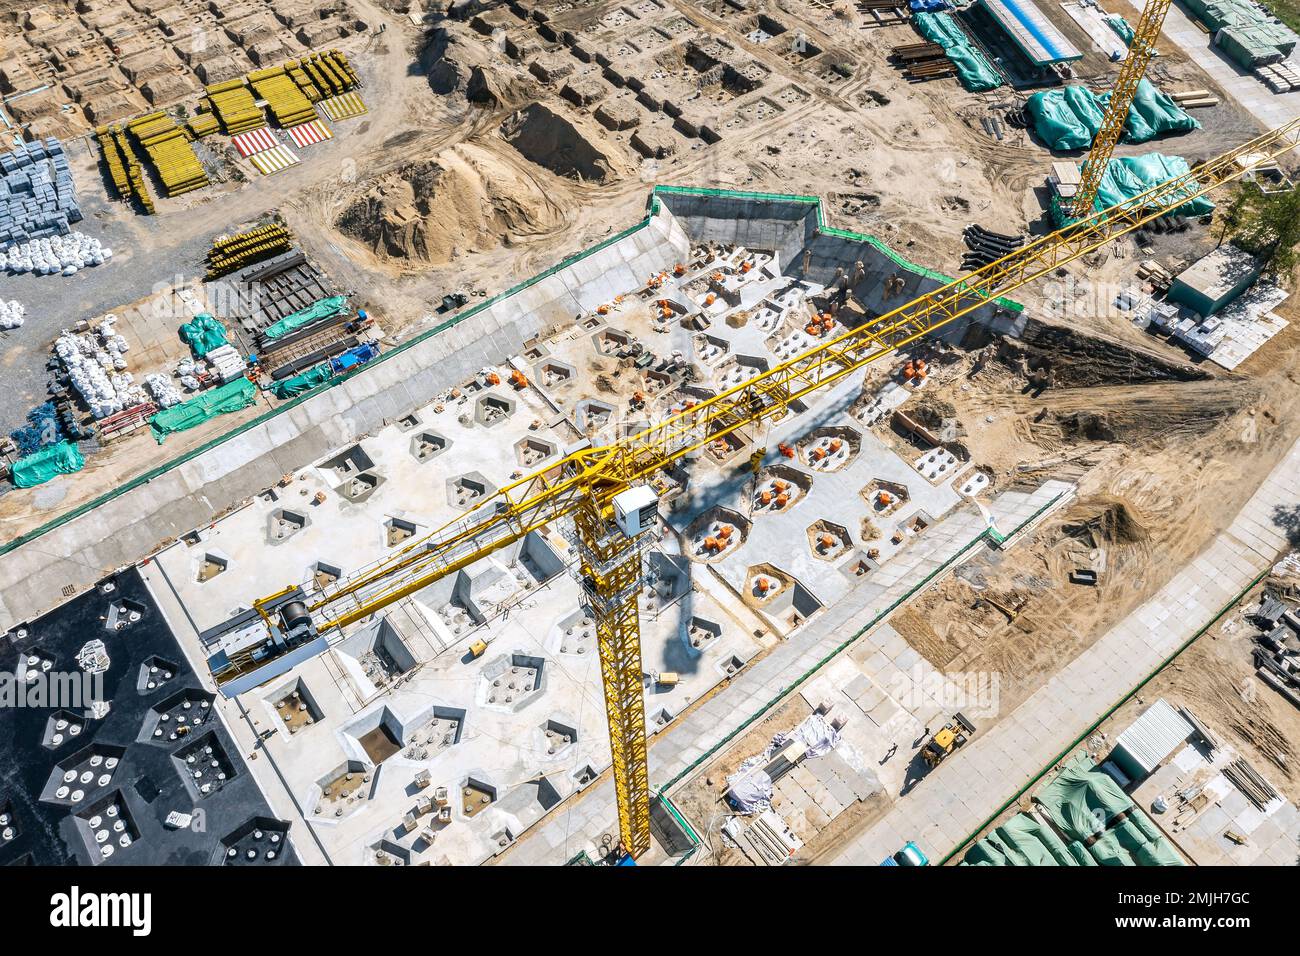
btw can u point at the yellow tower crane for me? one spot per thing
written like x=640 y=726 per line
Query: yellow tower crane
x=605 y=492
x=1140 y=51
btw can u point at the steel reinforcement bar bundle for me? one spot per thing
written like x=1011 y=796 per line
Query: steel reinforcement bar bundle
x=168 y=146
x=231 y=253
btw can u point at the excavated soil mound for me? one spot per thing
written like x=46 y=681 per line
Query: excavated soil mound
x=1109 y=522
x=1146 y=414
x=576 y=149
x=1073 y=359
x=465 y=199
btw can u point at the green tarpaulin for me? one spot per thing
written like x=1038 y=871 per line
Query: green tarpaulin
x=230 y=397
x=321 y=309
x=1088 y=806
x=1085 y=806
x=973 y=70
x=52 y=460
x=204 y=334
x=1128 y=177
x=1069 y=118
x=1131 y=176
x=303 y=381
x=1121 y=27
x=1245 y=31
x=1024 y=840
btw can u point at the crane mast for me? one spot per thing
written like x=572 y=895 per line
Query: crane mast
x=1140 y=51
x=587 y=486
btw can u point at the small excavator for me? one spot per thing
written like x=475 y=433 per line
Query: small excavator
x=949 y=738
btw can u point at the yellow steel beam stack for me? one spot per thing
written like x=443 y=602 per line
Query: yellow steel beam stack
x=288 y=105
x=234 y=105
x=234 y=252
x=168 y=145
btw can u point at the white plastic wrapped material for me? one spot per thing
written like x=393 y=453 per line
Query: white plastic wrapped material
x=164 y=392
x=56 y=254
x=98 y=369
x=11 y=314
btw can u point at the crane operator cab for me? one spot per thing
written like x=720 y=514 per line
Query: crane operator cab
x=635 y=510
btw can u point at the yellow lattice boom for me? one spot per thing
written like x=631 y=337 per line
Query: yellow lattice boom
x=1140 y=51
x=581 y=486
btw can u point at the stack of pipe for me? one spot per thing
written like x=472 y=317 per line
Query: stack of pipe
x=203 y=124
x=168 y=145
x=287 y=103
x=987 y=246
x=231 y=253
x=235 y=107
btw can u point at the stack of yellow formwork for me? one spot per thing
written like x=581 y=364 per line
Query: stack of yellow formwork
x=234 y=105
x=203 y=124
x=288 y=105
x=234 y=252
x=168 y=145
x=119 y=152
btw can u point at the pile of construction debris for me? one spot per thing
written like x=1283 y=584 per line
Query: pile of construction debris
x=1277 y=647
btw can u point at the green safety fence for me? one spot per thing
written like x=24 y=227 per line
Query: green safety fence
x=39 y=467
x=221 y=400
x=203 y=334
x=652 y=209
x=974 y=71
x=325 y=308
x=303 y=381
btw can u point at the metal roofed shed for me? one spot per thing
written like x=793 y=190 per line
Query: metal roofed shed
x=1215 y=280
x=1157 y=733
x=1032 y=32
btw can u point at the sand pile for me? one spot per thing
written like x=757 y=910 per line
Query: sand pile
x=465 y=199
x=577 y=148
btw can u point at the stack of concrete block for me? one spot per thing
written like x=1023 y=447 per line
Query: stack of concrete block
x=37 y=197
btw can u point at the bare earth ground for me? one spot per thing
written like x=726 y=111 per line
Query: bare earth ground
x=432 y=192
x=1152 y=460
x=908 y=162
